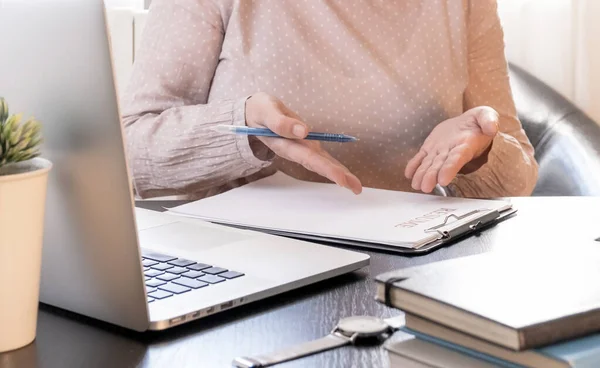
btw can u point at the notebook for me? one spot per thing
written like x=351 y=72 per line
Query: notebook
x=518 y=300
x=376 y=218
x=576 y=353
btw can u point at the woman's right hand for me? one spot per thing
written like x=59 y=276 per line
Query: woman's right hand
x=265 y=111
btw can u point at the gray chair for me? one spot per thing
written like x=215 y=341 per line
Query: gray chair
x=566 y=140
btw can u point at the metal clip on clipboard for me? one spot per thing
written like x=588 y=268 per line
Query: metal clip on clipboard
x=467 y=227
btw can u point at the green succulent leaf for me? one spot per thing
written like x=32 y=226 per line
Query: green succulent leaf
x=27 y=128
x=34 y=142
x=18 y=141
x=20 y=146
x=10 y=124
x=15 y=136
x=3 y=110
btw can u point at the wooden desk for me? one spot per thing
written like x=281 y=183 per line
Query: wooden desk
x=67 y=340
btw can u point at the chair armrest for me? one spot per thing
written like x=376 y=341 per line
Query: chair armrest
x=566 y=140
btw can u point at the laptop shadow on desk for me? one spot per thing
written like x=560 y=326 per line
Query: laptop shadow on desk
x=89 y=331
x=62 y=341
x=257 y=309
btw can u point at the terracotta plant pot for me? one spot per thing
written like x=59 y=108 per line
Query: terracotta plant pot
x=22 y=205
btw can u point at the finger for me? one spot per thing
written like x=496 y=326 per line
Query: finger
x=334 y=160
x=458 y=157
x=310 y=159
x=286 y=126
x=414 y=164
x=353 y=181
x=488 y=121
x=291 y=114
x=418 y=177
x=430 y=179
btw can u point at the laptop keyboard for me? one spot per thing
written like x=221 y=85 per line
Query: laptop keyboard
x=168 y=276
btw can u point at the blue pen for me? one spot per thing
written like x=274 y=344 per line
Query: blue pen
x=325 y=137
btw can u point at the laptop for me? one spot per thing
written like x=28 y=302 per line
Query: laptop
x=102 y=257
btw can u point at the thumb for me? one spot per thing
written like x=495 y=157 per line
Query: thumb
x=286 y=126
x=488 y=121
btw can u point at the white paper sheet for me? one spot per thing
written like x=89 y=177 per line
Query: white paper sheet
x=282 y=203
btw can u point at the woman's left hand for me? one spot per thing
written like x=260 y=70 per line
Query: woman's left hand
x=460 y=144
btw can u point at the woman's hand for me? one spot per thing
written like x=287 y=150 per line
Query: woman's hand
x=263 y=110
x=460 y=144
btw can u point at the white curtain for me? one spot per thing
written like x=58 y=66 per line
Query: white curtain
x=558 y=41
x=135 y=4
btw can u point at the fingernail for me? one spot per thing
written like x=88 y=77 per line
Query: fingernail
x=352 y=183
x=299 y=131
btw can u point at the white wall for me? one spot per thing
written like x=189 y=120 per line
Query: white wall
x=137 y=4
x=121 y=24
x=558 y=41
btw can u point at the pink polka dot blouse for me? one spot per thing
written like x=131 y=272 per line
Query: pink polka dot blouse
x=385 y=71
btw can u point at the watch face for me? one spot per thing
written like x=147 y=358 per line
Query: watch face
x=363 y=325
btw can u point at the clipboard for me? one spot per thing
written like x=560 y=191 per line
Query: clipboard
x=446 y=237
x=392 y=221
x=470 y=228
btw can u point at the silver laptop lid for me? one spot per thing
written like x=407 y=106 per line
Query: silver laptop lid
x=56 y=65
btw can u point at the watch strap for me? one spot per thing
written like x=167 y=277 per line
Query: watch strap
x=333 y=340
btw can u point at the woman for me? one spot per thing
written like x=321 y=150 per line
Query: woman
x=422 y=83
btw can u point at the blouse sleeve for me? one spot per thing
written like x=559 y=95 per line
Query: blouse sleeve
x=511 y=169
x=166 y=113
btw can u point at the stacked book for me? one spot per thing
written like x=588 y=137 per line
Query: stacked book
x=536 y=308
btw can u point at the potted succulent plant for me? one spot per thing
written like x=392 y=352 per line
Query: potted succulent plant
x=23 y=181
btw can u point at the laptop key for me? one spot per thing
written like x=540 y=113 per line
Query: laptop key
x=193 y=274
x=148 y=262
x=161 y=266
x=155 y=283
x=159 y=294
x=157 y=256
x=150 y=299
x=150 y=290
x=153 y=273
x=174 y=288
x=198 y=266
x=211 y=279
x=231 y=274
x=214 y=270
x=147 y=278
x=177 y=270
x=167 y=277
x=194 y=284
x=181 y=262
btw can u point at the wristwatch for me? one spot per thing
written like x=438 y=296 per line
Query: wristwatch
x=349 y=330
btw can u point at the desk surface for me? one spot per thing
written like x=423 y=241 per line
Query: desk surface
x=68 y=340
